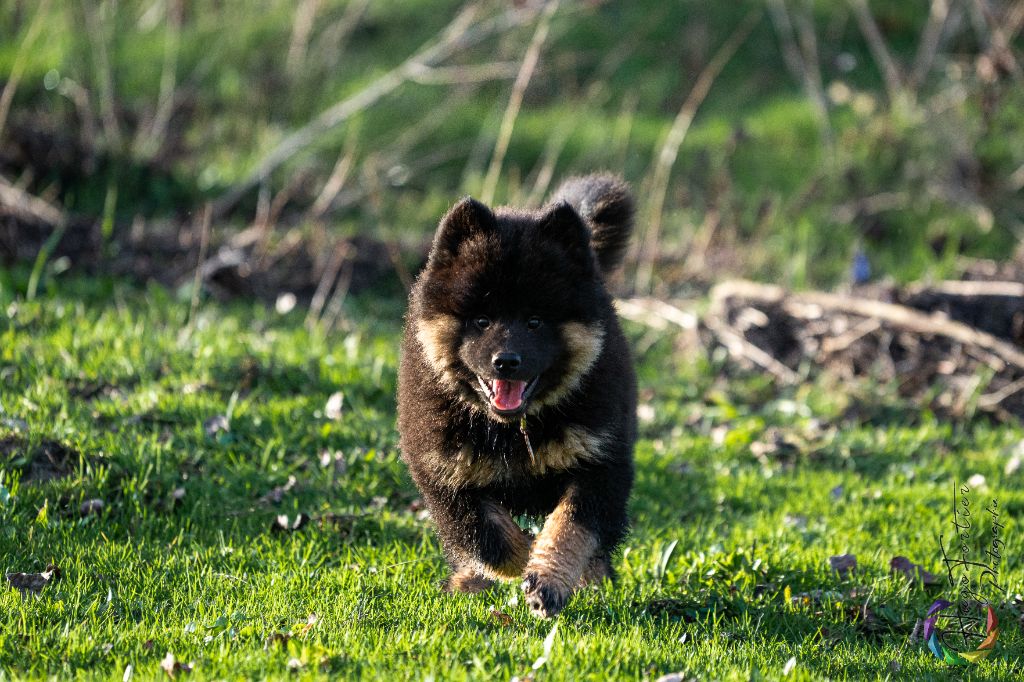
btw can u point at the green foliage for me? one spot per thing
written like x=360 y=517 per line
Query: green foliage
x=914 y=183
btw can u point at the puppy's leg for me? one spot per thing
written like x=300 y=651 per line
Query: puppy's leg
x=481 y=540
x=576 y=541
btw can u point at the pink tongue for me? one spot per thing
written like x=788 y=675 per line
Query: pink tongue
x=508 y=395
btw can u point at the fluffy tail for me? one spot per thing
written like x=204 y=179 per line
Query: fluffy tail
x=604 y=202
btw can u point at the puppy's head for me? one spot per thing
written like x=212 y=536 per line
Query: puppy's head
x=508 y=310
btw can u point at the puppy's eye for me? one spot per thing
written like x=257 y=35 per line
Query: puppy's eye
x=533 y=322
x=482 y=321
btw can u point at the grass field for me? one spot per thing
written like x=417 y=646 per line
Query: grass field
x=111 y=393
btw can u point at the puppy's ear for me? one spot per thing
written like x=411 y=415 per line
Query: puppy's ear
x=465 y=219
x=562 y=224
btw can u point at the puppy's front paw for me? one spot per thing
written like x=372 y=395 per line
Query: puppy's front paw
x=544 y=597
x=466 y=581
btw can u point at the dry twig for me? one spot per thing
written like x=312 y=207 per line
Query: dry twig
x=676 y=134
x=515 y=101
x=459 y=34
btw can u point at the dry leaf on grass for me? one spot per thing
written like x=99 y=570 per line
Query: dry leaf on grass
x=282 y=523
x=215 y=425
x=173 y=666
x=913 y=572
x=277 y=494
x=332 y=410
x=844 y=565
x=94 y=506
x=502 y=617
x=33 y=583
x=280 y=638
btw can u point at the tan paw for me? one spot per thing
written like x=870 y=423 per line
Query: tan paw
x=545 y=597
x=467 y=581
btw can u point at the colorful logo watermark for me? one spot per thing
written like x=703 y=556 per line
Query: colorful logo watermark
x=950 y=655
x=968 y=633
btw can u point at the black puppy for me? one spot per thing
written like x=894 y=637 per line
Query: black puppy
x=516 y=390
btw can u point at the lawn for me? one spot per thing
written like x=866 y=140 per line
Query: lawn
x=252 y=526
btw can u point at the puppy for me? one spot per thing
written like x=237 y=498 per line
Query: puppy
x=516 y=391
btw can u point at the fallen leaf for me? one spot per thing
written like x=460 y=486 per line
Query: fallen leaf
x=285 y=303
x=148 y=645
x=282 y=523
x=276 y=638
x=172 y=666
x=976 y=481
x=33 y=583
x=797 y=521
x=844 y=565
x=335 y=458
x=332 y=410
x=304 y=628
x=789 y=667
x=127 y=673
x=501 y=617
x=88 y=507
x=14 y=423
x=277 y=494
x=913 y=572
x=215 y=425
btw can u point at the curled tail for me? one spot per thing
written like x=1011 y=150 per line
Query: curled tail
x=604 y=202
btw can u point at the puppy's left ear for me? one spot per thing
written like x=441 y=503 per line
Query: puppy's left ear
x=563 y=225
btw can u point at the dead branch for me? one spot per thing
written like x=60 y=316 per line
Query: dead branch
x=459 y=34
x=674 y=139
x=972 y=288
x=515 y=101
x=20 y=203
x=929 y=45
x=14 y=77
x=99 y=35
x=879 y=50
x=809 y=305
x=655 y=313
x=151 y=138
x=302 y=26
x=999 y=43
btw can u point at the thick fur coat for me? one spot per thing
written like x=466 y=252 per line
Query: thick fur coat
x=517 y=393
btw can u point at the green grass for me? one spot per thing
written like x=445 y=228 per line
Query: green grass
x=719 y=534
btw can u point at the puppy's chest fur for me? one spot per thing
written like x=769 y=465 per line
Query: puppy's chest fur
x=481 y=453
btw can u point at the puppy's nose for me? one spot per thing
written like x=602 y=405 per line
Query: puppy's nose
x=506 y=362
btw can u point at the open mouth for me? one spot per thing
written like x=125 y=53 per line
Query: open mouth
x=507 y=396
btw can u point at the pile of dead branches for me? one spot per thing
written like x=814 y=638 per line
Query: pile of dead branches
x=956 y=347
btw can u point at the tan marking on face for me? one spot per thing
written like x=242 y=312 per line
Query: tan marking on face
x=562 y=551
x=576 y=445
x=583 y=344
x=437 y=337
x=516 y=540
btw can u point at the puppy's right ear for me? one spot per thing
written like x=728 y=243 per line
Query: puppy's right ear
x=465 y=219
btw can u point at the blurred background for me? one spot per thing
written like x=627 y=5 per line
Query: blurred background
x=306 y=148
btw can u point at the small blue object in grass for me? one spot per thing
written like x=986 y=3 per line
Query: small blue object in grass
x=861 y=268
